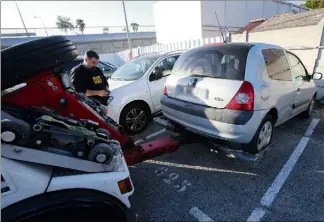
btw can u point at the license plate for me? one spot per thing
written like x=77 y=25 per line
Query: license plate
x=190 y=91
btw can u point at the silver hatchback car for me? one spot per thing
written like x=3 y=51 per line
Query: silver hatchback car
x=238 y=92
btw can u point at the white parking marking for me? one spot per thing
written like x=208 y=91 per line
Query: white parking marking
x=199 y=215
x=311 y=127
x=198 y=167
x=275 y=187
x=257 y=214
x=155 y=134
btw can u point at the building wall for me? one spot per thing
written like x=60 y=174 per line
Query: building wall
x=177 y=20
x=236 y=14
x=305 y=42
x=293 y=38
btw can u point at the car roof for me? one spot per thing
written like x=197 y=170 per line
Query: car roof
x=160 y=54
x=255 y=45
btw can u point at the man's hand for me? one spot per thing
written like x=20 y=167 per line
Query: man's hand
x=102 y=93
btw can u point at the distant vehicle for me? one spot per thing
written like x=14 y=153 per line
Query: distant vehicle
x=136 y=89
x=238 y=92
x=107 y=68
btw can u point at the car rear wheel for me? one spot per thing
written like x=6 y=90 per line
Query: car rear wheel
x=262 y=137
x=134 y=118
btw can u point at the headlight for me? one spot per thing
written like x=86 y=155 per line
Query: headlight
x=110 y=98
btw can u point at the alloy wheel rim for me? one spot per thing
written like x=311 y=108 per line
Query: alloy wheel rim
x=264 y=135
x=136 y=119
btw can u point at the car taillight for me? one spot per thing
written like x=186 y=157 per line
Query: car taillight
x=165 y=91
x=243 y=99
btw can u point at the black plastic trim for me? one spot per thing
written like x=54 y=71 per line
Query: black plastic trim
x=237 y=117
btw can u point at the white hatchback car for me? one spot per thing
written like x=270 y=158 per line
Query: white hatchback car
x=136 y=89
x=238 y=92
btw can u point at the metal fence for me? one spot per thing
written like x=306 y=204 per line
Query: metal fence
x=119 y=58
x=21 y=32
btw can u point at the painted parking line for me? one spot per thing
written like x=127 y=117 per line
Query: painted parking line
x=199 y=215
x=275 y=187
x=185 y=166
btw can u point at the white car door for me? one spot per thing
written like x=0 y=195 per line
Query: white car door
x=281 y=86
x=157 y=78
x=304 y=88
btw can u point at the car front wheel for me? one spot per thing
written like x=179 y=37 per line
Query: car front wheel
x=134 y=118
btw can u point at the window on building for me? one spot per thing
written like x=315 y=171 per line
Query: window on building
x=277 y=64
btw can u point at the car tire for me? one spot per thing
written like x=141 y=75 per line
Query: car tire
x=22 y=61
x=140 y=113
x=308 y=112
x=254 y=146
x=16 y=132
x=74 y=205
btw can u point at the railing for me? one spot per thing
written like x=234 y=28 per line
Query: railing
x=119 y=58
x=21 y=32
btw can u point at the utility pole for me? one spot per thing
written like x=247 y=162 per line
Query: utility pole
x=22 y=19
x=127 y=30
x=43 y=23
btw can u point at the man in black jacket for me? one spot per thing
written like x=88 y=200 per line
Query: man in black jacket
x=87 y=78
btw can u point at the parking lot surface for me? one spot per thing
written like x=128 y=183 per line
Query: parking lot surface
x=195 y=184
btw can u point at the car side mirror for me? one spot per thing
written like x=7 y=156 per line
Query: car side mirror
x=106 y=69
x=157 y=74
x=317 y=76
x=299 y=80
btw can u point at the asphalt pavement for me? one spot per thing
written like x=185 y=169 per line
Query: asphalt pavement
x=195 y=184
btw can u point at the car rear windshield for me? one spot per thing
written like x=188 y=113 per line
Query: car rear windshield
x=224 y=62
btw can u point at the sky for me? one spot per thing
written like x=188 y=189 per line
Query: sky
x=94 y=13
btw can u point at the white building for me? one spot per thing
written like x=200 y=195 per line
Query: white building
x=184 y=20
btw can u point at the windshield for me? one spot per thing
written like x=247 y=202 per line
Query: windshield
x=134 y=69
x=225 y=62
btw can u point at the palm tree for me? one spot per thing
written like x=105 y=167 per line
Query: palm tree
x=105 y=30
x=64 y=23
x=80 y=25
x=135 y=26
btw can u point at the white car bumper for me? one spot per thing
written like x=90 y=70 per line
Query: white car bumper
x=113 y=112
x=233 y=126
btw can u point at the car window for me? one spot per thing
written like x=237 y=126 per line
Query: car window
x=297 y=69
x=224 y=62
x=134 y=69
x=166 y=65
x=277 y=64
x=104 y=66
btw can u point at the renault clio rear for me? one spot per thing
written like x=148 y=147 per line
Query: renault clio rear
x=238 y=92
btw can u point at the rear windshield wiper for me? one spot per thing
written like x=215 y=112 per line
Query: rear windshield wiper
x=200 y=75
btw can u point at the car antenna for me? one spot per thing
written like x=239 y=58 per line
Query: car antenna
x=220 y=28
